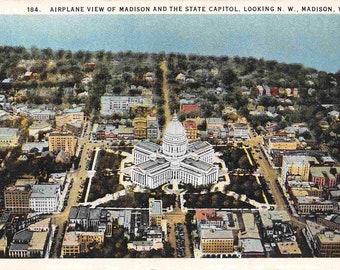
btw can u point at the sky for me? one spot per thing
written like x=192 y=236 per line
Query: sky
x=312 y=40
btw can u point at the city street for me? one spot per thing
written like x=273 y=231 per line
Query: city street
x=177 y=216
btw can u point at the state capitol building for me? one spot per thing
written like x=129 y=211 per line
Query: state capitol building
x=175 y=159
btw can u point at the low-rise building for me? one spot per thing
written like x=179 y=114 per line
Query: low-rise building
x=39 y=127
x=215 y=127
x=31 y=242
x=118 y=104
x=306 y=205
x=276 y=225
x=325 y=176
x=281 y=143
x=217 y=242
x=330 y=221
x=41 y=114
x=71 y=245
x=289 y=249
x=155 y=212
x=325 y=243
x=34 y=147
x=191 y=129
x=44 y=198
x=239 y=131
x=8 y=137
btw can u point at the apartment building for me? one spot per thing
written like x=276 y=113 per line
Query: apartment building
x=17 y=199
x=295 y=165
x=62 y=141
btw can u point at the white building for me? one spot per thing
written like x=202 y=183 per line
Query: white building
x=176 y=159
x=39 y=126
x=45 y=198
x=8 y=137
x=118 y=104
x=39 y=114
x=239 y=131
x=295 y=165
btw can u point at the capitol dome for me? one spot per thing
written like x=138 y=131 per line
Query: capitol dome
x=175 y=142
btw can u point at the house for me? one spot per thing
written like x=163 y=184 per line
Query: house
x=239 y=131
x=190 y=126
x=187 y=108
x=215 y=127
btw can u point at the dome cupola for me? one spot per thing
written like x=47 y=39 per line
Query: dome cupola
x=175 y=142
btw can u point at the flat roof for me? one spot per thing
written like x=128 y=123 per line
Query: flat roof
x=155 y=207
x=296 y=159
x=8 y=131
x=289 y=248
x=252 y=245
x=216 y=234
x=46 y=190
x=150 y=146
x=38 y=240
x=70 y=239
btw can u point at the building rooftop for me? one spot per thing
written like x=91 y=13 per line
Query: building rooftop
x=329 y=237
x=27 y=147
x=314 y=228
x=73 y=212
x=83 y=212
x=42 y=225
x=24 y=182
x=143 y=243
x=40 y=125
x=46 y=190
x=70 y=239
x=251 y=230
x=73 y=110
x=95 y=213
x=282 y=139
x=289 y=248
x=155 y=207
x=23 y=236
x=18 y=188
x=8 y=131
x=152 y=164
x=312 y=200
x=320 y=171
x=38 y=240
x=18 y=247
x=252 y=245
x=198 y=164
x=215 y=121
x=216 y=234
x=204 y=214
x=296 y=159
x=150 y=146
x=268 y=217
x=199 y=145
